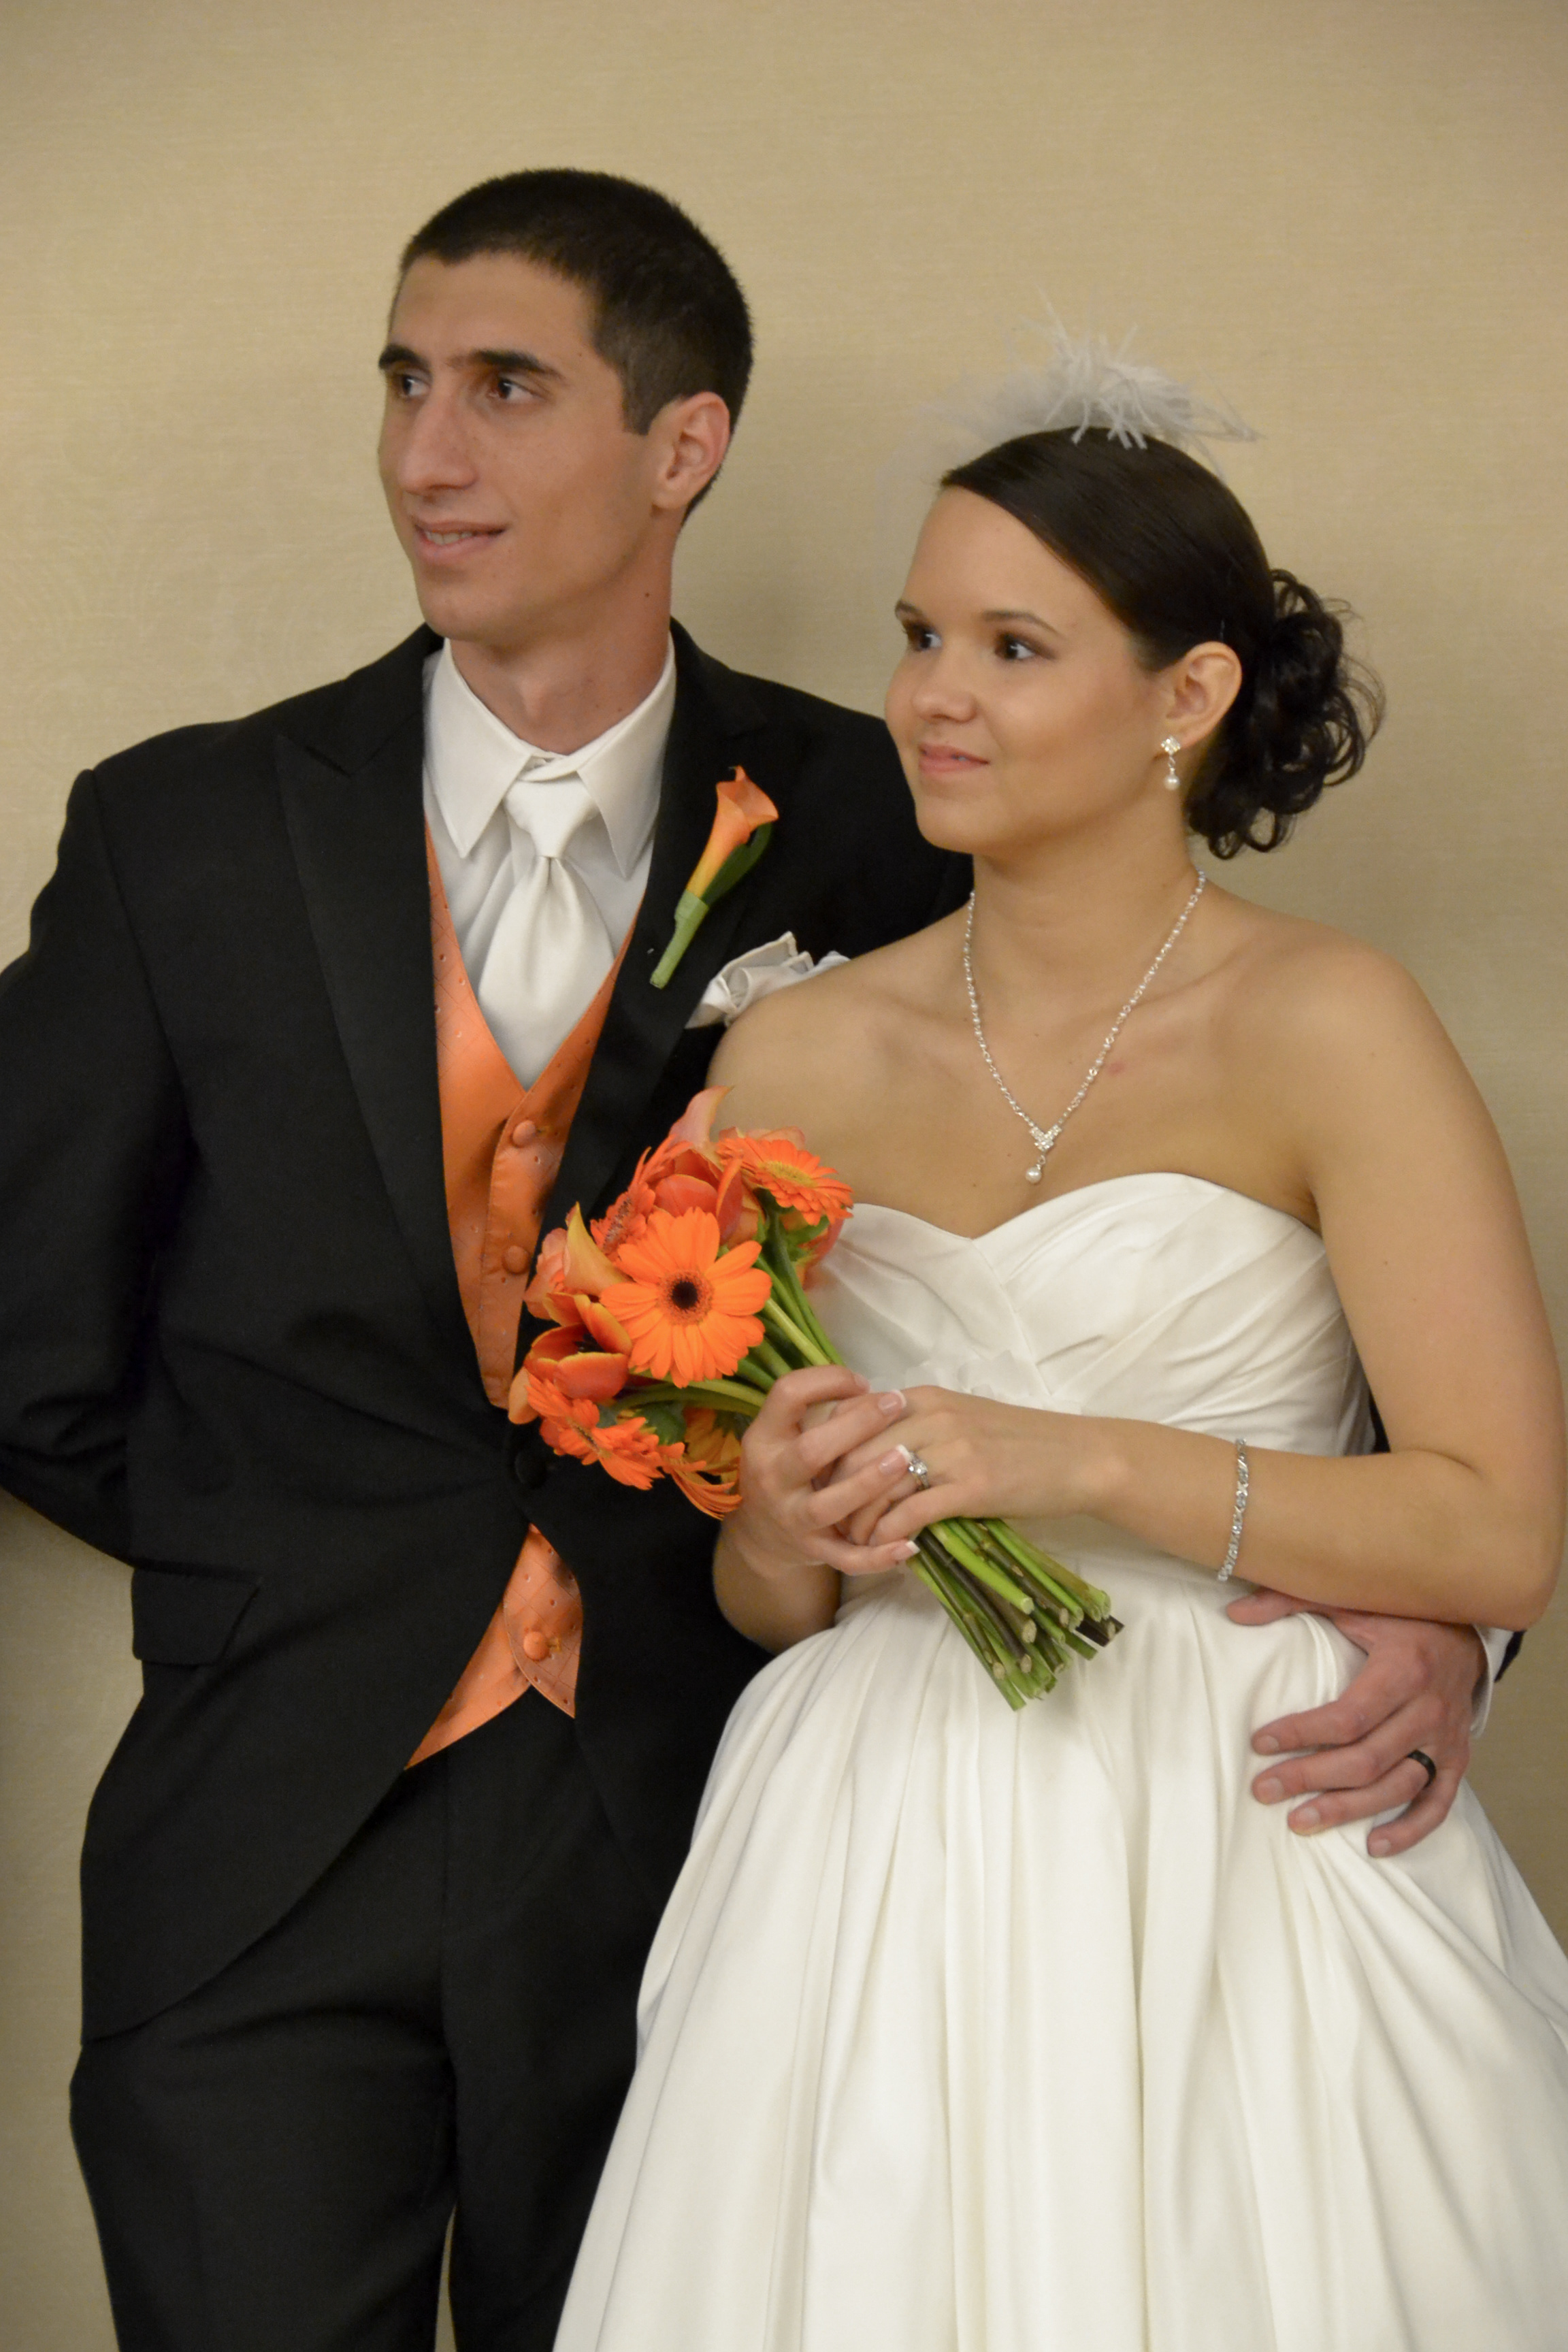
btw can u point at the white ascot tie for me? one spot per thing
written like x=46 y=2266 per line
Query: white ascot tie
x=550 y=949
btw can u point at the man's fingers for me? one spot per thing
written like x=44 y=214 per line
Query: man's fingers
x=1341 y=1771
x=1264 y=1607
x=1428 y=1812
x=1405 y=1785
x=1357 y=1765
x=1371 y=1699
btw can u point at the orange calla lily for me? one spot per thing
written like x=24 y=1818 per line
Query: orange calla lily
x=601 y=1325
x=592 y=1375
x=695 y=1124
x=742 y=825
x=743 y=807
x=584 y=1265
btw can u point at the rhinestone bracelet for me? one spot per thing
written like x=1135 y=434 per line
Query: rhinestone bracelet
x=1242 y=1483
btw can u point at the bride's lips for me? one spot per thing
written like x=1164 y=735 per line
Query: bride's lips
x=947 y=759
x=451 y=543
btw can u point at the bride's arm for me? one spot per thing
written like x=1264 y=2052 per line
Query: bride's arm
x=1463 y=1520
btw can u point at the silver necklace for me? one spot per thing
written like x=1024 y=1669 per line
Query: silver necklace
x=1046 y=1137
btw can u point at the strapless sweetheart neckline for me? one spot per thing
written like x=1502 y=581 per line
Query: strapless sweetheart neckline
x=1080 y=1191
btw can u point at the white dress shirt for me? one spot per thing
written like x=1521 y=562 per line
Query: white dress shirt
x=471 y=762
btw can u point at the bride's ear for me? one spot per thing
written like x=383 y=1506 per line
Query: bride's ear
x=1203 y=686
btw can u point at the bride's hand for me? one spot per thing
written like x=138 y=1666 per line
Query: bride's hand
x=796 y=1483
x=982 y=1460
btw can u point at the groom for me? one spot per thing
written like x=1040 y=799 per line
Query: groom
x=327 y=1014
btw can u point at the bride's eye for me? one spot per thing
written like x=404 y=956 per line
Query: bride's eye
x=1012 y=649
x=919 y=638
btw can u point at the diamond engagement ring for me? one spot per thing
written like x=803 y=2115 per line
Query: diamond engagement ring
x=920 y=1470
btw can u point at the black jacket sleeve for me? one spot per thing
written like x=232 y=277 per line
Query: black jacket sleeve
x=93 y=1148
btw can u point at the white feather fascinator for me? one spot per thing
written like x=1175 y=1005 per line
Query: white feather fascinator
x=1080 y=383
x=1060 y=382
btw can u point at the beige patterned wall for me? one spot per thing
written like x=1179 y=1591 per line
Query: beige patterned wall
x=1351 y=216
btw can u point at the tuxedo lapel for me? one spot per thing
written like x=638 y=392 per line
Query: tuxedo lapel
x=716 y=726
x=353 y=805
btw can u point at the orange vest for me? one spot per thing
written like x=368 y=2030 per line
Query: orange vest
x=501 y=1147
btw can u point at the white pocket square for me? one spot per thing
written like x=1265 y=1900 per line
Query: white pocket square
x=748 y=977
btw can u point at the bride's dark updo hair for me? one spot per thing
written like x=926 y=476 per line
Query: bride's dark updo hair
x=1174 y=555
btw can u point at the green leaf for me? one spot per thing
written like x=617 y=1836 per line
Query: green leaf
x=739 y=863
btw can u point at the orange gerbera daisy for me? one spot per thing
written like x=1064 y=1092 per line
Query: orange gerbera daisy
x=689 y=1308
x=627 y=1449
x=626 y=1217
x=779 y=1164
x=709 y=1471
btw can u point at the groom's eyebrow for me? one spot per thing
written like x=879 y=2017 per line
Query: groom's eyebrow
x=505 y=362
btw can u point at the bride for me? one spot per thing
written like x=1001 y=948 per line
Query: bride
x=968 y=2030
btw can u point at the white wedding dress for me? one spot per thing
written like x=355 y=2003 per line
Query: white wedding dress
x=973 y=2031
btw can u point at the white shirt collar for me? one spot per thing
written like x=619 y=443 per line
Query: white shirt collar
x=472 y=758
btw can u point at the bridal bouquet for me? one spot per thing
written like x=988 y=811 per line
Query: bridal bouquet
x=673 y=1316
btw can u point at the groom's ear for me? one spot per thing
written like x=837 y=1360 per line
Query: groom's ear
x=1203 y=686
x=690 y=438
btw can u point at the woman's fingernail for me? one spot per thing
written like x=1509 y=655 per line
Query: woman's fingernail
x=896 y=1460
x=893 y=1400
x=1266 y=1744
x=905 y=1551
x=1379 y=1845
x=1270 y=1791
x=1307 y=1819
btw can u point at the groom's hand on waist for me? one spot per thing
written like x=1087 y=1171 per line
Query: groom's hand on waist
x=1416 y=1691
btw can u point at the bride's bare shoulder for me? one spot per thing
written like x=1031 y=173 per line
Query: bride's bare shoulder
x=1328 y=1020
x=807 y=1055
x=1299 y=978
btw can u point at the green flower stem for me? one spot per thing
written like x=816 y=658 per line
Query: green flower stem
x=934 y=1583
x=1055 y=1573
x=804 y=1314
x=978 y=1629
x=776 y=1257
x=786 y=1328
x=724 y=1396
x=1046 y=1599
x=1013 y=1646
x=951 y=1534
x=768 y=1360
x=690 y=914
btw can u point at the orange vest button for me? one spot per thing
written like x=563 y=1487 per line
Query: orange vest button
x=523 y=1132
x=515 y=1260
x=536 y=1645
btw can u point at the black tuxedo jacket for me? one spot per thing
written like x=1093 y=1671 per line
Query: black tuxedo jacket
x=231 y=1350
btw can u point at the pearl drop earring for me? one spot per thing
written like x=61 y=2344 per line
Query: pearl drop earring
x=1170 y=745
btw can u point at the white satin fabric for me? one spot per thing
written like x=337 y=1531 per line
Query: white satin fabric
x=973 y=2031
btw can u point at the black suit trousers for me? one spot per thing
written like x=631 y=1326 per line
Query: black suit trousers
x=447 y=2016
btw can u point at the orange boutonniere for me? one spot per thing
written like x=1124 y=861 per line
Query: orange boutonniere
x=742 y=826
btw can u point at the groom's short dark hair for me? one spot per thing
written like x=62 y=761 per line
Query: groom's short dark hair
x=668 y=315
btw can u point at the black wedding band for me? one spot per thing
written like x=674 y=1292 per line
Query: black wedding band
x=1419 y=1756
